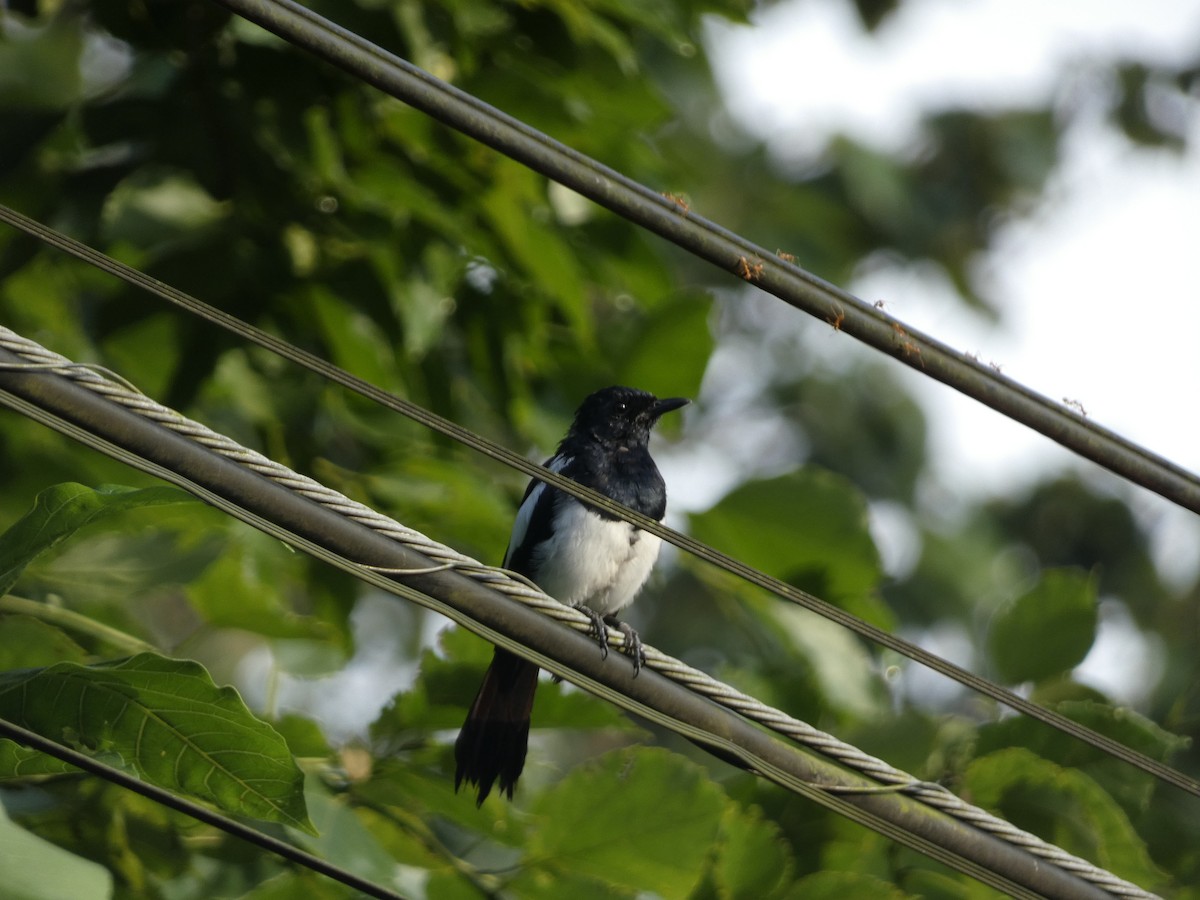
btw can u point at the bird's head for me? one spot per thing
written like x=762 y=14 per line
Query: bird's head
x=621 y=416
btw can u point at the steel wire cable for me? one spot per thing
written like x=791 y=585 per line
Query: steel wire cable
x=38 y=358
x=489 y=448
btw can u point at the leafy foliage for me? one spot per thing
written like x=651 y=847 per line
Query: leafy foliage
x=62 y=510
x=808 y=528
x=623 y=843
x=1025 y=787
x=1046 y=631
x=168 y=721
x=210 y=154
x=48 y=872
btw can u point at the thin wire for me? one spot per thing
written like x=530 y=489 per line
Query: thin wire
x=189 y=808
x=501 y=454
x=717 y=245
x=845 y=754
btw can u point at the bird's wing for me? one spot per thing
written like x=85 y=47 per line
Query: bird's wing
x=535 y=520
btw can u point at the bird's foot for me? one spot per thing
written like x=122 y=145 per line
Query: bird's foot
x=633 y=643
x=598 y=631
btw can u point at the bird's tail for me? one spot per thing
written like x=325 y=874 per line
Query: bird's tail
x=494 y=738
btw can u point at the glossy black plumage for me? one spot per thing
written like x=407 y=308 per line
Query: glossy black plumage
x=578 y=554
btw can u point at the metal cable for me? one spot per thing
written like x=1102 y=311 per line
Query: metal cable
x=488 y=448
x=446 y=558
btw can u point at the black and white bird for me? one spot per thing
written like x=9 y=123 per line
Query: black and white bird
x=579 y=555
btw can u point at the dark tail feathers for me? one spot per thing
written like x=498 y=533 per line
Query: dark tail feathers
x=493 y=740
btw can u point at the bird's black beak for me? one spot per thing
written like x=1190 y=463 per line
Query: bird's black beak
x=665 y=406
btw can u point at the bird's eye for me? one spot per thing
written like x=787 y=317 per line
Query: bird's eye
x=621 y=406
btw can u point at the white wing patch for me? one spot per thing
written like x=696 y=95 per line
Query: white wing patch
x=525 y=513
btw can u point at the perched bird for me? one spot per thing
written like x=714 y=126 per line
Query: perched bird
x=579 y=555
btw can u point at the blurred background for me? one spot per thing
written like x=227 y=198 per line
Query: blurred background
x=1020 y=180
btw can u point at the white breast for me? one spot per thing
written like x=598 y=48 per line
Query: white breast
x=592 y=561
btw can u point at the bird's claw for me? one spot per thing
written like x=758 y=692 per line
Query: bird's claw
x=597 y=630
x=633 y=643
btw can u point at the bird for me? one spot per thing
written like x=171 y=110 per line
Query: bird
x=582 y=556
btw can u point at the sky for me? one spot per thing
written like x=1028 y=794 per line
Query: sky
x=1098 y=287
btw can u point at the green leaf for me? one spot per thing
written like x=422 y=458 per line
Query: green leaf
x=355 y=340
x=1046 y=631
x=417 y=784
x=847 y=847
x=533 y=884
x=841 y=663
x=809 y=528
x=167 y=720
x=537 y=250
x=250 y=586
x=671 y=349
x=40 y=67
x=157 y=206
x=60 y=511
x=641 y=819
x=1063 y=806
x=343 y=839
x=836 y=885
x=754 y=860
x=29 y=643
x=1132 y=787
x=452 y=886
x=17 y=762
x=34 y=869
x=290 y=885
x=303 y=735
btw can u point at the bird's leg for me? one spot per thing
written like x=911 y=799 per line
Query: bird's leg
x=633 y=643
